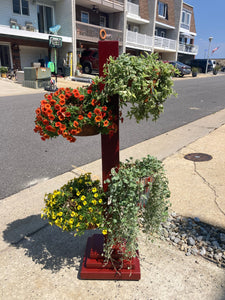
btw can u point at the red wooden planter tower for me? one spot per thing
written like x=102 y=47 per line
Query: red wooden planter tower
x=93 y=266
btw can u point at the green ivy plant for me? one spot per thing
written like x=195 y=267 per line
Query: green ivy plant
x=143 y=81
x=138 y=199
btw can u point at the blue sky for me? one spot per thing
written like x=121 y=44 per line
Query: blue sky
x=209 y=22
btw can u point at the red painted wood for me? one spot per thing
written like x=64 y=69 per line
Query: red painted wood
x=95 y=268
x=109 y=144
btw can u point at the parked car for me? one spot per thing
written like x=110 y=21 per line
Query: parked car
x=183 y=69
x=201 y=64
x=89 y=61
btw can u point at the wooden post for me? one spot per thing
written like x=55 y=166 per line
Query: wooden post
x=110 y=144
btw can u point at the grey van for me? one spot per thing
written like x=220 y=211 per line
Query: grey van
x=201 y=64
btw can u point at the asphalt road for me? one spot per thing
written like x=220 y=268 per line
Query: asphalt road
x=26 y=160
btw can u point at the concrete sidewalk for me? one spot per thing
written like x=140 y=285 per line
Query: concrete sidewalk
x=38 y=261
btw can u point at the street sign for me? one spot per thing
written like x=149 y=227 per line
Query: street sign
x=55 y=41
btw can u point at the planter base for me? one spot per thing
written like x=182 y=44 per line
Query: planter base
x=93 y=266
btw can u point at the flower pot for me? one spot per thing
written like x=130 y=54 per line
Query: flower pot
x=3 y=75
x=194 y=74
x=88 y=130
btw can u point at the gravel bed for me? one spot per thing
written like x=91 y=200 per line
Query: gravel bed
x=194 y=237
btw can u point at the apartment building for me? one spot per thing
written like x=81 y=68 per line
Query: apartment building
x=163 y=26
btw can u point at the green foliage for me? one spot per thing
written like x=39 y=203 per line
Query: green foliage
x=143 y=81
x=3 y=69
x=138 y=198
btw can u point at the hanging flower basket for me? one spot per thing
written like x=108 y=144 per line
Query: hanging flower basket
x=75 y=112
x=88 y=130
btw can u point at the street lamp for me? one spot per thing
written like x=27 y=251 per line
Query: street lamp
x=210 y=40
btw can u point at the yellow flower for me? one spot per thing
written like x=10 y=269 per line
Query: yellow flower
x=79 y=207
x=90 y=209
x=81 y=217
x=71 y=221
x=96 y=195
x=83 y=198
x=78 y=225
x=60 y=214
x=104 y=231
x=78 y=193
x=80 y=181
x=85 y=202
x=94 y=202
x=94 y=219
x=100 y=200
x=71 y=189
x=94 y=190
x=74 y=214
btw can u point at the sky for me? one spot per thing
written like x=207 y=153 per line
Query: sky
x=209 y=22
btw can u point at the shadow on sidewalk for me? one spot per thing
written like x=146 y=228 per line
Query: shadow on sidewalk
x=47 y=245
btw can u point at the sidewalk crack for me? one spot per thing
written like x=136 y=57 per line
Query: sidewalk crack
x=210 y=186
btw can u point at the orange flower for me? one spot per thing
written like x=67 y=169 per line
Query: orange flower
x=38 y=111
x=61 y=118
x=62 y=97
x=106 y=123
x=62 y=101
x=75 y=124
x=89 y=115
x=80 y=117
x=57 y=124
x=98 y=119
x=49 y=111
x=63 y=127
x=93 y=102
x=39 y=118
x=97 y=111
x=104 y=108
x=43 y=102
x=56 y=93
x=89 y=92
x=78 y=130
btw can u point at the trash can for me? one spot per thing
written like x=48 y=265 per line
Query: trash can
x=66 y=71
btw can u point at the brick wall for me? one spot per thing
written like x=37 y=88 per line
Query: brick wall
x=170 y=20
x=144 y=10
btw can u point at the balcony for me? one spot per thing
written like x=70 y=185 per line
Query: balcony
x=108 y=6
x=165 y=44
x=23 y=33
x=133 y=14
x=188 y=49
x=138 y=41
x=90 y=33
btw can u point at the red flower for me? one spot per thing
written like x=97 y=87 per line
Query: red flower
x=43 y=102
x=93 y=102
x=89 y=115
x=75 y=124
x=67 y=114
x=89 y=92
x=51 y=117
x=80 y=117
x=45 y=122
x=52 y=102
x=38 y=111
x=57 y=107
x=81 y=98
x=57 y=124
x=104 y=108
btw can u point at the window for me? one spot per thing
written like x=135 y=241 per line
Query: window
x=162 y=9
x=45 y=17
x=21 y=6
x=135 y=28
x=102 y=21
x=163 y=34
x=85 y=17
x=186 y=18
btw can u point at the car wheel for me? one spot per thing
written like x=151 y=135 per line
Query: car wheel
x=87 y=68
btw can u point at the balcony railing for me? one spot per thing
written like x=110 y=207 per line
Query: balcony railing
x=164 y=43
x=192 y=49
x=113 y=4
x=90 y=33
x=132 y=8
x=138 y=40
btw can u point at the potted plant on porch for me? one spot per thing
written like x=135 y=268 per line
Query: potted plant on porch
x=3 y=71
